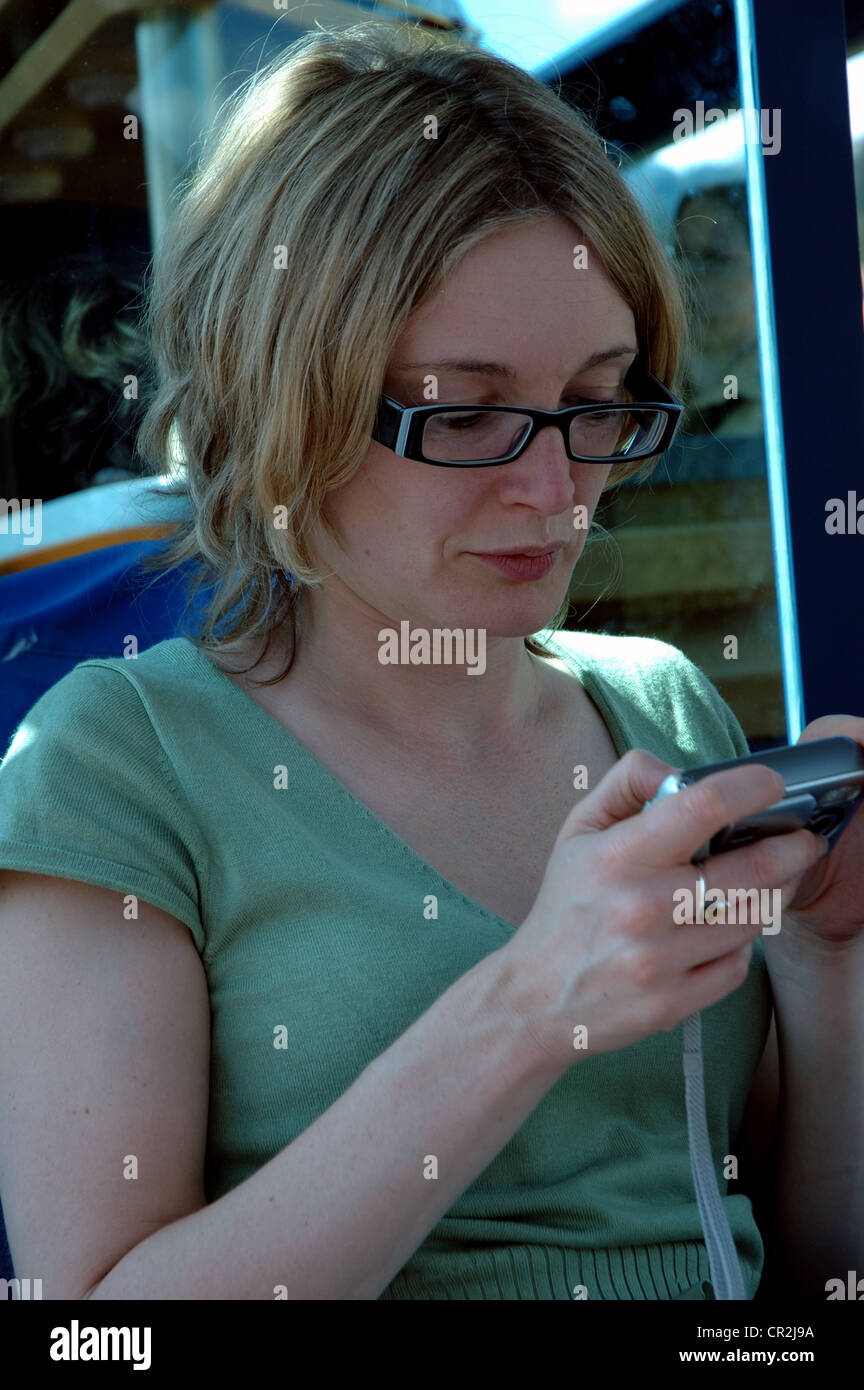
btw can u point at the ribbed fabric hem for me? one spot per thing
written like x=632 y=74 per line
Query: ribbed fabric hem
x=638 y=1272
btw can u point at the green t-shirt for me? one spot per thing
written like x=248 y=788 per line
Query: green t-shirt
x=157 y=776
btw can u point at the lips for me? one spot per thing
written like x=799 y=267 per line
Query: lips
x=520 y=564
x=532 y=551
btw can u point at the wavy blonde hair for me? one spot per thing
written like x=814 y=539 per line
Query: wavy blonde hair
x=270 y=362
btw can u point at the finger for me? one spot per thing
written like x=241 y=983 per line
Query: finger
x=677 y=826
x=767 y=863
x=700 y=943
x=707 y=983
x=738 y=902
x=834 y=726
x=632 y=781
x=684 y=925
x=690 y=991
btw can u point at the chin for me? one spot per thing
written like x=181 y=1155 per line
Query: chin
x=520 y=619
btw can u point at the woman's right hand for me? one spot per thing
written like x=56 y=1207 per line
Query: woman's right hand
x=600 y=948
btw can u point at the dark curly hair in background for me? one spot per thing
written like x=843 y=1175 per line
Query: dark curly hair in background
x=69 y=337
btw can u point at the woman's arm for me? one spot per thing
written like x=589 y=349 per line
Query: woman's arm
x=816 y=1187
x=105 y=1058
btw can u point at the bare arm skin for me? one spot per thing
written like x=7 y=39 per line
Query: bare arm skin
x=815 y=1191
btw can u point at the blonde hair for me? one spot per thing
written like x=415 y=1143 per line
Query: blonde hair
x=319 y=220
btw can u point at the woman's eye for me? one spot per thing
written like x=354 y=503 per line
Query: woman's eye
x=469 y=419
x=461 y=422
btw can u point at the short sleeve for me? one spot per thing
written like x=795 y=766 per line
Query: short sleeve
x=87 y=792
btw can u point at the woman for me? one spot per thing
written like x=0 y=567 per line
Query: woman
x=322 y=985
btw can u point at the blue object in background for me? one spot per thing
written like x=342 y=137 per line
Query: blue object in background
x=53 y=616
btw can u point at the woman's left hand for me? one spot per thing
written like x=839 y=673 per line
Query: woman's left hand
x=827 y=900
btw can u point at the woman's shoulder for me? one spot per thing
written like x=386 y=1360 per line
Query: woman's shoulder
x=104 y=715
x=111 y=691
x=114 y=716
x=169 y=664
x=640 y=658
x=89 y=789
x=651 y=690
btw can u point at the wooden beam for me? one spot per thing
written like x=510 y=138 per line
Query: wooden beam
x=341 y=13
x=50 y=53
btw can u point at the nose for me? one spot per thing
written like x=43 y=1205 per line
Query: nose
x=543 y=477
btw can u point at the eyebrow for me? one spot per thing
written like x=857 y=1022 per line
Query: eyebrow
x=502 y=369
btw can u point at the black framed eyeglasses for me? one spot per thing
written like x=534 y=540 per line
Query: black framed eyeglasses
x=480 y=436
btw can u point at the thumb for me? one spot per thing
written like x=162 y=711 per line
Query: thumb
x=834 y=726
x=632 y=781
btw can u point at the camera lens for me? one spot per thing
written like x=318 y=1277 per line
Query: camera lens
x=825 y=821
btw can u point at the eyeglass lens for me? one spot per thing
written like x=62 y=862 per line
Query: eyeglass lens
x=478 y=436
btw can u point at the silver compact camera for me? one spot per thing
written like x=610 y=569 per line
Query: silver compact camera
x=824 y=784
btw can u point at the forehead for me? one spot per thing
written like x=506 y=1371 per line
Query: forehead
x=526 y=294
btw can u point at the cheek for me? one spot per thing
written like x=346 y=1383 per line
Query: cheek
x=367 y=501
x=588 y=485
x=394 y=509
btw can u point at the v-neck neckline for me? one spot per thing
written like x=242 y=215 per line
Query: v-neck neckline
x=591 y=687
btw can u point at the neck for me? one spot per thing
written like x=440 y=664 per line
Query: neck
x=429 y=704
